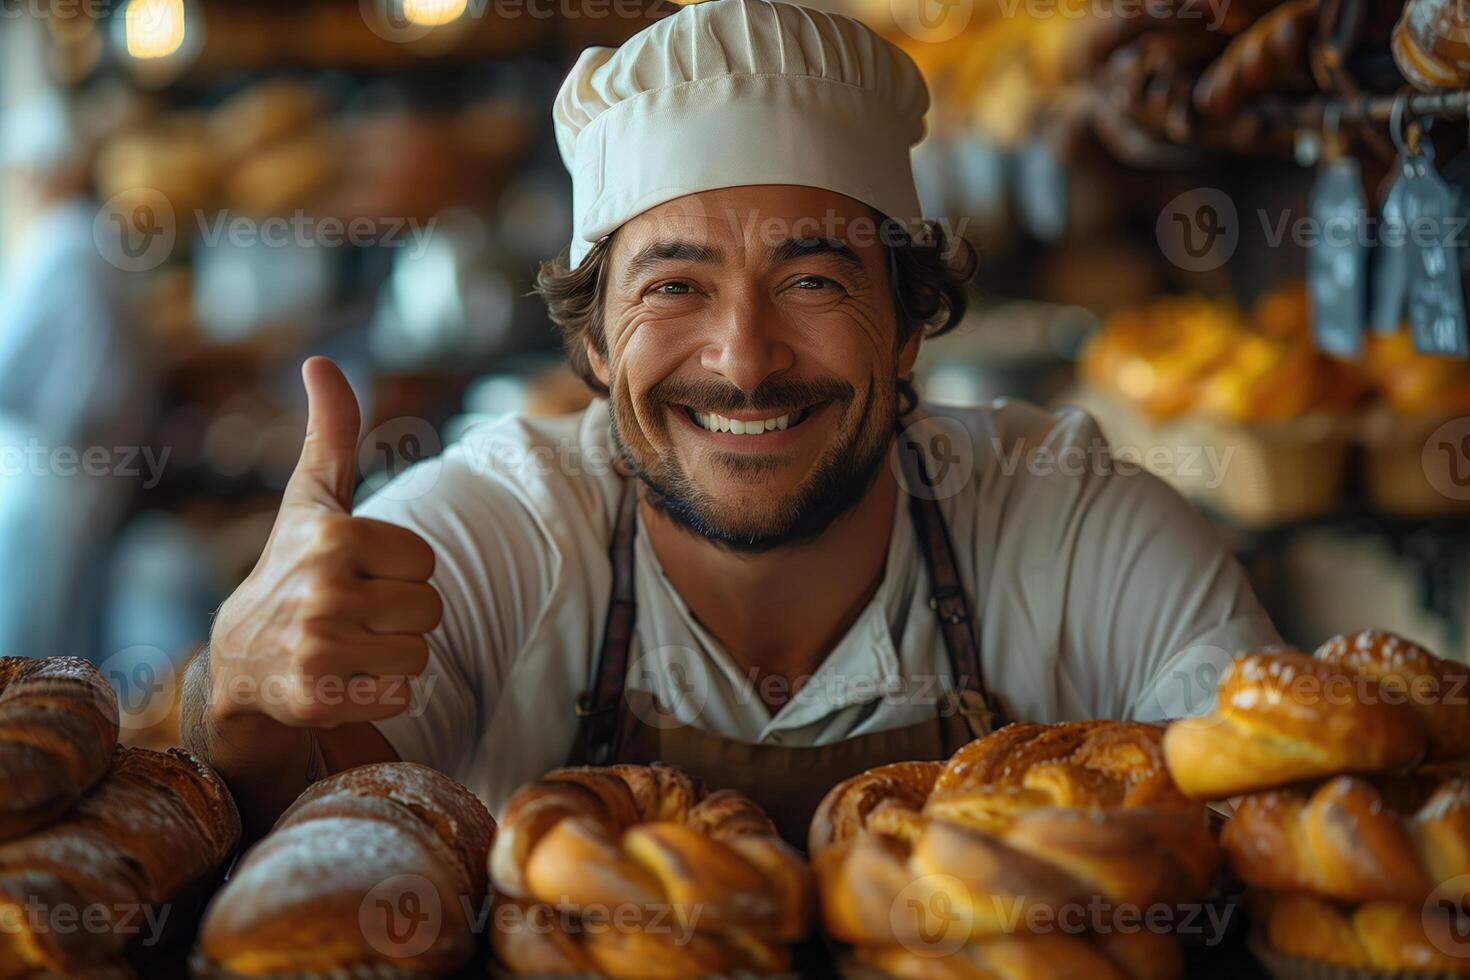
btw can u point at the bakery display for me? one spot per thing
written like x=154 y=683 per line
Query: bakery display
x=637 y=871
x=1351 y=809
x=158 y=822
x=58 y=726
x=1025 y=822
x=376 y=868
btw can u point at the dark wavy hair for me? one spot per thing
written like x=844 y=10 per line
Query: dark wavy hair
x=930 y=274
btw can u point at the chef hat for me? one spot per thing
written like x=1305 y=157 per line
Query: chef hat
x=730 y=93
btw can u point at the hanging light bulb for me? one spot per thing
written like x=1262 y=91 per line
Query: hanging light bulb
x=433 y=13
x=154 y=29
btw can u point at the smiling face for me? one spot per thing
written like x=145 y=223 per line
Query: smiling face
x=753 y=359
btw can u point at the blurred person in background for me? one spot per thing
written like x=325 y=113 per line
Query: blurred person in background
x=72 y=378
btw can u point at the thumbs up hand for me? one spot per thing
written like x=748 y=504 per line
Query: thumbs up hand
x=331 y=623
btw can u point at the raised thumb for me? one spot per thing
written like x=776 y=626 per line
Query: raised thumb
x=324 y=474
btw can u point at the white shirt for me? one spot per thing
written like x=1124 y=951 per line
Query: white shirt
x=1099 y=593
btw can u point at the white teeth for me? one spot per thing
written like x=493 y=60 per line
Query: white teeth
x=718 y=423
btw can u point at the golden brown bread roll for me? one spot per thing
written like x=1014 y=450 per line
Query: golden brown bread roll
x=1108 y=764
x=1373 y=936
x=1283 y=717
x=157 y=822
x=961 y=869
x=1047 y=956
x=58 y=728
x=1435 y=689
x=1343 y=842
x=376 y=866
x=647 y=844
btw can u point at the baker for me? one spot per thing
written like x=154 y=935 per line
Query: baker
x=755 y=556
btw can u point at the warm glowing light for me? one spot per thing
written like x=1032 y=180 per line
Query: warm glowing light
x=433 y=13
x=155 y=28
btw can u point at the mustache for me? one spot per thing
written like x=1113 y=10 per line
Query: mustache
x=713 y=395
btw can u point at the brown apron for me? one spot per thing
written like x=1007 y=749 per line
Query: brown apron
x=618 y=725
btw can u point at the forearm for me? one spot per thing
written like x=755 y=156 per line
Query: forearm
x=265 y=764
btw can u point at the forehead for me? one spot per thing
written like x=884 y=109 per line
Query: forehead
x=750 y=222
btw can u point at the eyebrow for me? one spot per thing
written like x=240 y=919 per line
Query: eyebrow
x=655 y=253
x=798 y=248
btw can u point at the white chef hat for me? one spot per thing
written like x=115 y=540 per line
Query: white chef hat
x=730 y=93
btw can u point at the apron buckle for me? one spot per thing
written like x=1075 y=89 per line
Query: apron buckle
x=976 y=712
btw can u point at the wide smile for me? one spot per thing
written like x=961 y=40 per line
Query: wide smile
x=748 y=431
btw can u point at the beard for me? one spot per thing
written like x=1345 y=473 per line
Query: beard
x=841 y=477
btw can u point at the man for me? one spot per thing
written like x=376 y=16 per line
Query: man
x=730 y=563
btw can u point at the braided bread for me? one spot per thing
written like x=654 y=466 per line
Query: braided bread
x=1435 y=689
x=646 y=844
x=1281 y=717
x=1374 y=936
x=376 y=866
x=1343 y=842
x=58 y=726
x=156 y=823
x=989 y=846
x=1140 y=955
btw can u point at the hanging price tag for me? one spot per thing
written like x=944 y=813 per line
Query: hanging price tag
x=1337 y=260
x=1041 y=190
x=1391 y=258
x=1436 y=301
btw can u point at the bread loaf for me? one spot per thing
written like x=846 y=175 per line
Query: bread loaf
x=377 y=867
x=645 y=844
x=1343 y=842
x=943 y=864
x=1382 y=936
x=1282 y=717
x=58 y=727
x=156 y=823
x=1435 y=689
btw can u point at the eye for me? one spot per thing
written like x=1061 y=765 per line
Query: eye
x=674 y=287
x=813 y=282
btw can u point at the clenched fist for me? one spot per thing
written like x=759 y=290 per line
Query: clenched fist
x=329 y=626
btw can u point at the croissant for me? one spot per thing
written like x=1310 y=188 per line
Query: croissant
x=1282 y=717
x=58 y=726
x=1374 y=936
x=1257 y=60
x=647 y=845
x=1021 y=824
x=378 y=867
x=156 y=823
x=1343 y=842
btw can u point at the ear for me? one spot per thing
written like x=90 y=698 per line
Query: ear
x=598 y=363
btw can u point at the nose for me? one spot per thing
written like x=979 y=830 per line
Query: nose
x=748 y=344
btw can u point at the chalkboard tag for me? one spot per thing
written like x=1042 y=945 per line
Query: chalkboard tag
x=1041 y=190
x=1436 y=302
x=1337 y=258
x=1391 y=257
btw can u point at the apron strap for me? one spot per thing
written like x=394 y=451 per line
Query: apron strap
x=600 y=709
x=949 y=602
